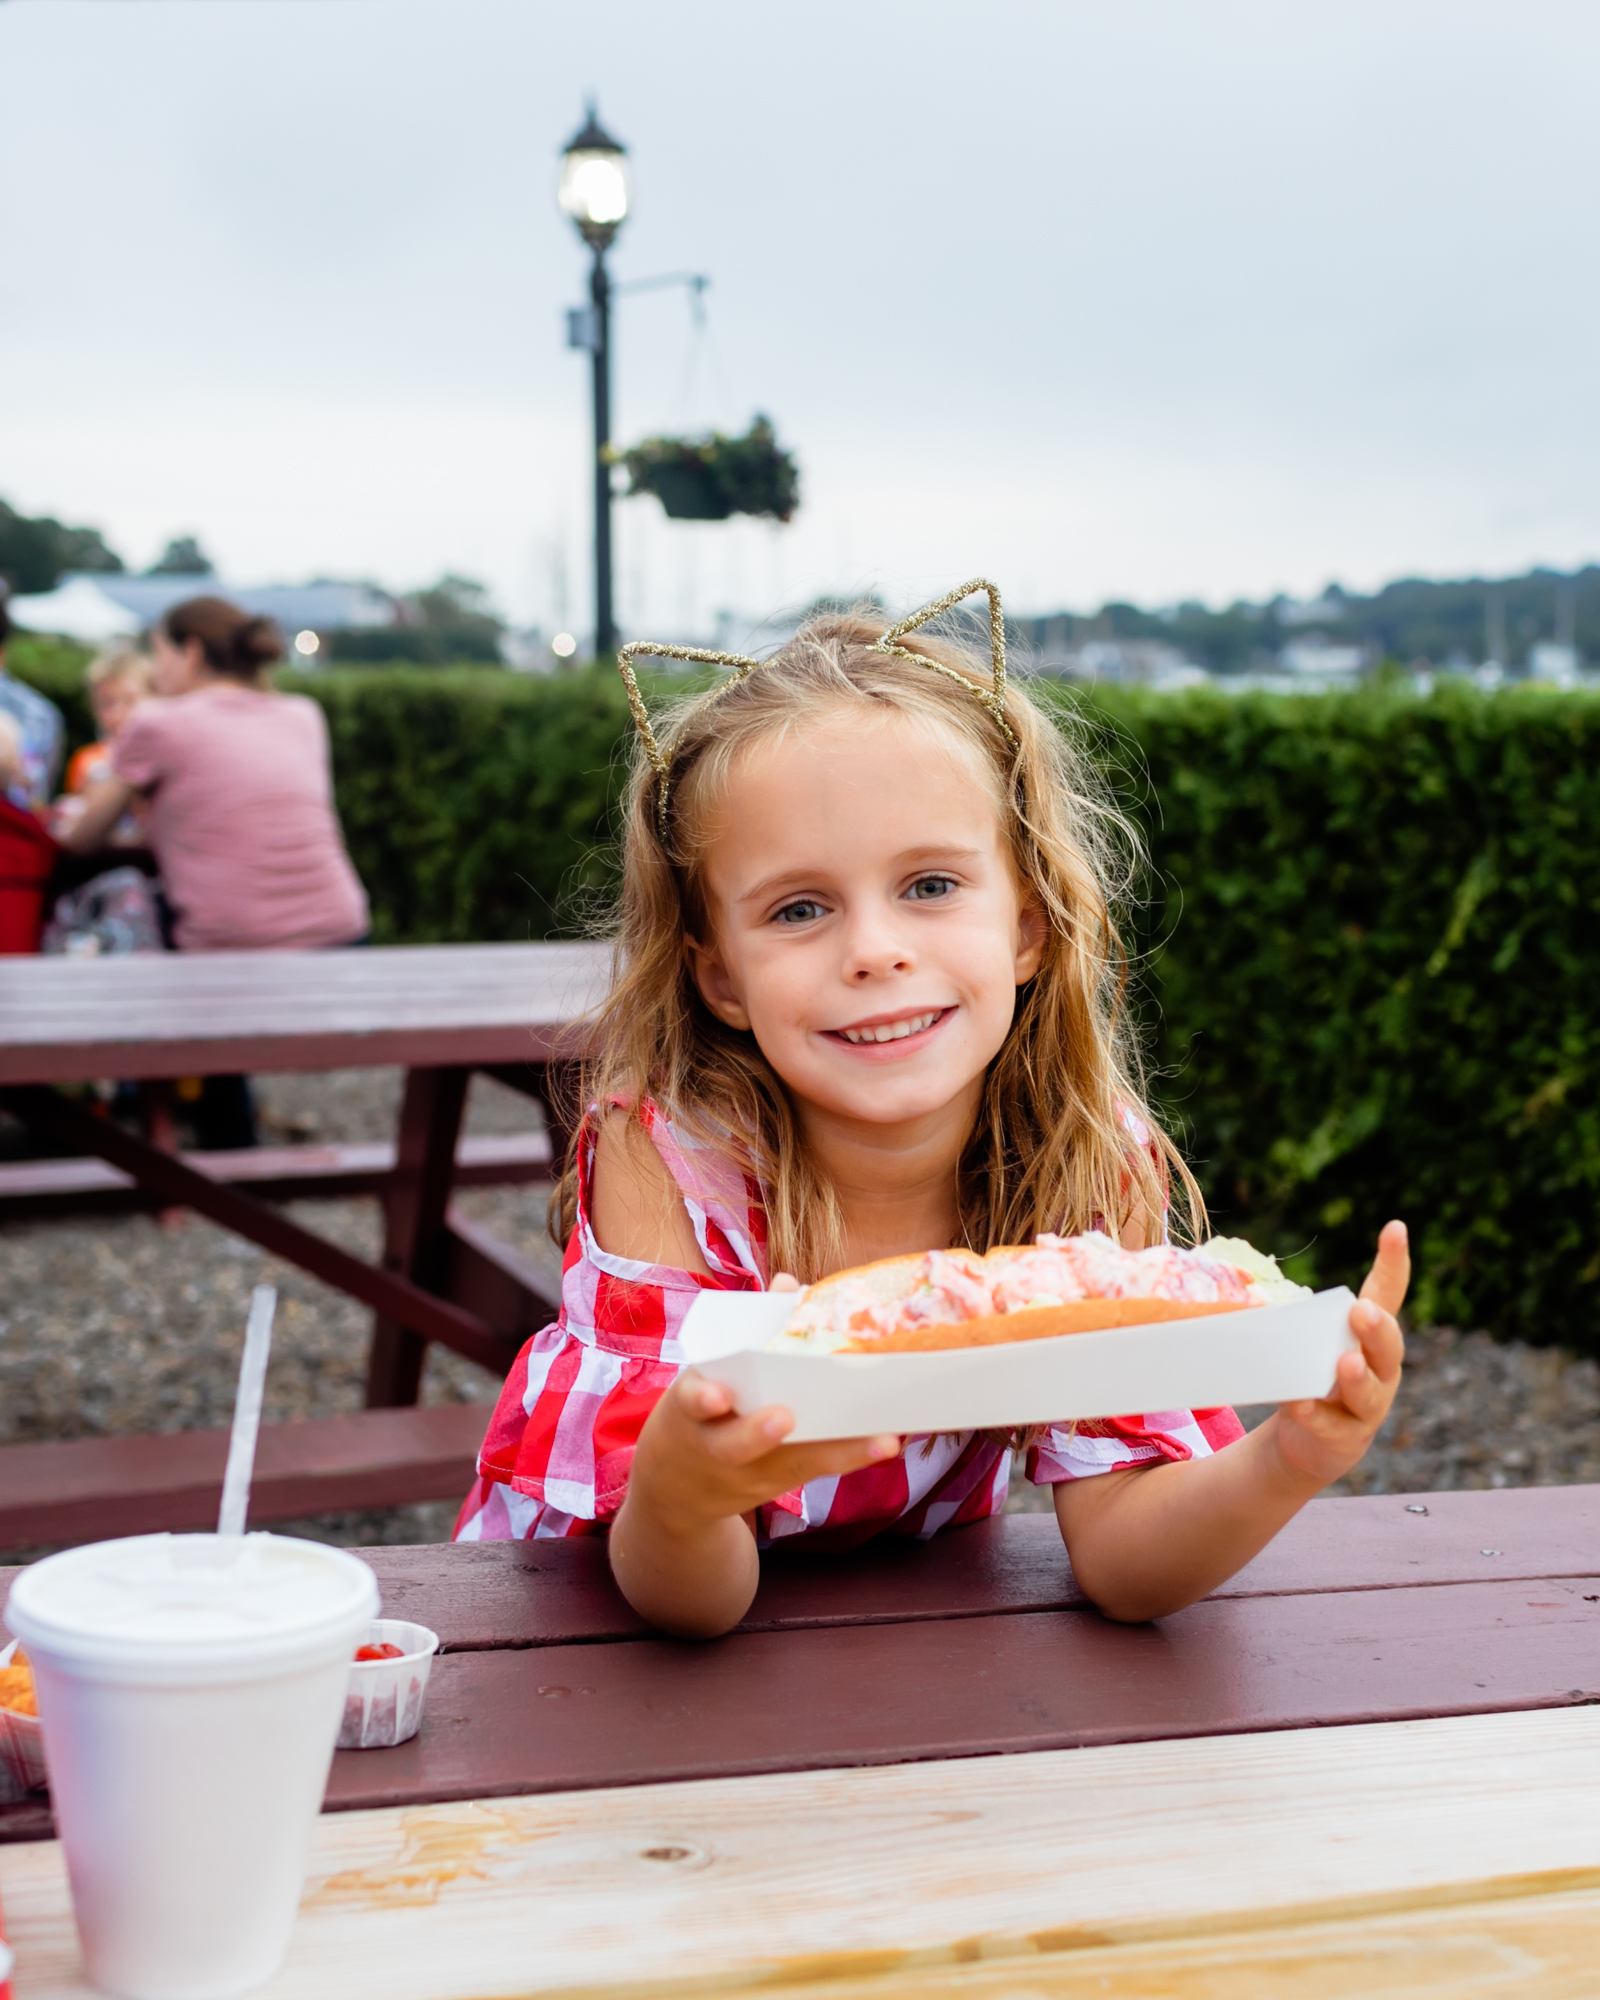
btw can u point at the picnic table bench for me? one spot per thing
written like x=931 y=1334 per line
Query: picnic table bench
x=442 y=1012
x=1368 y=1763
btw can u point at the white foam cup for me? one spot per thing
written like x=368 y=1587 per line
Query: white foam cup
x=190 y=1689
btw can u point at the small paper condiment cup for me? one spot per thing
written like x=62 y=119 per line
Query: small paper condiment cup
x=21 y=1740
x=384 y=1703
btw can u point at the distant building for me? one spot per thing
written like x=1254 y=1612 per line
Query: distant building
x=93 y=607
x=1321 y=659
x=1324 y=610
x=1556 y=662
x=1140 y=662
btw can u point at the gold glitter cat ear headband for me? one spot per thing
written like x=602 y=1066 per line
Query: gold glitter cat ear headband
x=992 y=698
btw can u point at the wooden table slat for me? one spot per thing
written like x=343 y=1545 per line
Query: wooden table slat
x=652 y=1711
x=188 y=1013
x=480 y=1596
x=553 y=1592
x=276 y=1173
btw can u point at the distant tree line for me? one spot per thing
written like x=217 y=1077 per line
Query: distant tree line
x=35 y=553
x=1415 y=621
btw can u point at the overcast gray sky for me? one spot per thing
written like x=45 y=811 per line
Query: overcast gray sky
x=1156 y=298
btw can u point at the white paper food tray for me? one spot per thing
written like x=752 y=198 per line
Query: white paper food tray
x=1268 y=1354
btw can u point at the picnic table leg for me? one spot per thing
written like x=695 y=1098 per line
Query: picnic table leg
x=156 y=1098
x=415 y=1240
x=160 y=1123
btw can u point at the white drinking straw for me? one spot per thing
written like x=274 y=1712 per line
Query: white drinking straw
x=247 y=1412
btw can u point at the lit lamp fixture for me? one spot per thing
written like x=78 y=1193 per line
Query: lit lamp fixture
x=593 y=195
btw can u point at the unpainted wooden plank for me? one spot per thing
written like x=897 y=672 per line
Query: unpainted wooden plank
x=1027 y=1865
x=1541 y=1945
x=655 y=1710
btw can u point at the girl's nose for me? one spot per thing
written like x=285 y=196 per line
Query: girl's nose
x=875 y=948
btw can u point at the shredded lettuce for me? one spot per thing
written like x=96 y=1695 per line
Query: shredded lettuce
x=1279 y=1290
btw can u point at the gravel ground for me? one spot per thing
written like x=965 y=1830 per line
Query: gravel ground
x=125 y=1323
x=128 y=1324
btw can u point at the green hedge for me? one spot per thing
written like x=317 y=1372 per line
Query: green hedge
x=55 y=667
x=1370 y=962
x=475 y=804
x=1374 y=968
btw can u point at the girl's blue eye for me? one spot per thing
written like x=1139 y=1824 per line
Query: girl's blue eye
x=930 y=888
x=804 y=911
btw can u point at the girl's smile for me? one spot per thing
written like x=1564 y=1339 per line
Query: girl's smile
x=887 y=1037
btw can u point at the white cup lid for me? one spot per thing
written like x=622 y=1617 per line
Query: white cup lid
x=190 y=1601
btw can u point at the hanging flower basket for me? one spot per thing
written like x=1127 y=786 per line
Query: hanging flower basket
x=688 y=491
x=709 y=478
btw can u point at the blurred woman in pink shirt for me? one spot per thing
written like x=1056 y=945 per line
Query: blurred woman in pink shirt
x=236 y=790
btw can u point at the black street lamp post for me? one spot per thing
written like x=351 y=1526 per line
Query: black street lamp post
x=594 y=194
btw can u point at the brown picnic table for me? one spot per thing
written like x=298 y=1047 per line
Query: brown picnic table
x=935 y=1767
x=441 y=1012
x=977 y=1642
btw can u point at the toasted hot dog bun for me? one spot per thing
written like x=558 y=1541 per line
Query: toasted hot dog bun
x=1035 y=1323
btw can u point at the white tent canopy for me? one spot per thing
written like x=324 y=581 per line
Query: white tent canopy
x=77 y=609
x=94 y=608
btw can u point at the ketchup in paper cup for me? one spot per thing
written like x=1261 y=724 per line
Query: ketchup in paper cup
x=388 y=1682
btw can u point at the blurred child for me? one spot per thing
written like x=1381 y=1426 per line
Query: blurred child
x=118 y=682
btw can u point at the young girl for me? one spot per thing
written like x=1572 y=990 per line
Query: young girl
x=118 y=682
x=869 y=1002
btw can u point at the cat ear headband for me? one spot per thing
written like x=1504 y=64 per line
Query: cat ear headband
x=992 y=697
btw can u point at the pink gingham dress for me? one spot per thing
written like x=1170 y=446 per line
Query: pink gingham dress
x=559 y=1445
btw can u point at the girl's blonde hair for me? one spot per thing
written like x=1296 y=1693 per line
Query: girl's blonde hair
x=1050 y=1148
x=120 y=663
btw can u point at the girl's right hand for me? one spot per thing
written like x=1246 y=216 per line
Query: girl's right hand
x=698 y=1462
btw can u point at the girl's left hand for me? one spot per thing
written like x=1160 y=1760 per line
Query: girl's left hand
x=1322 y=1440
